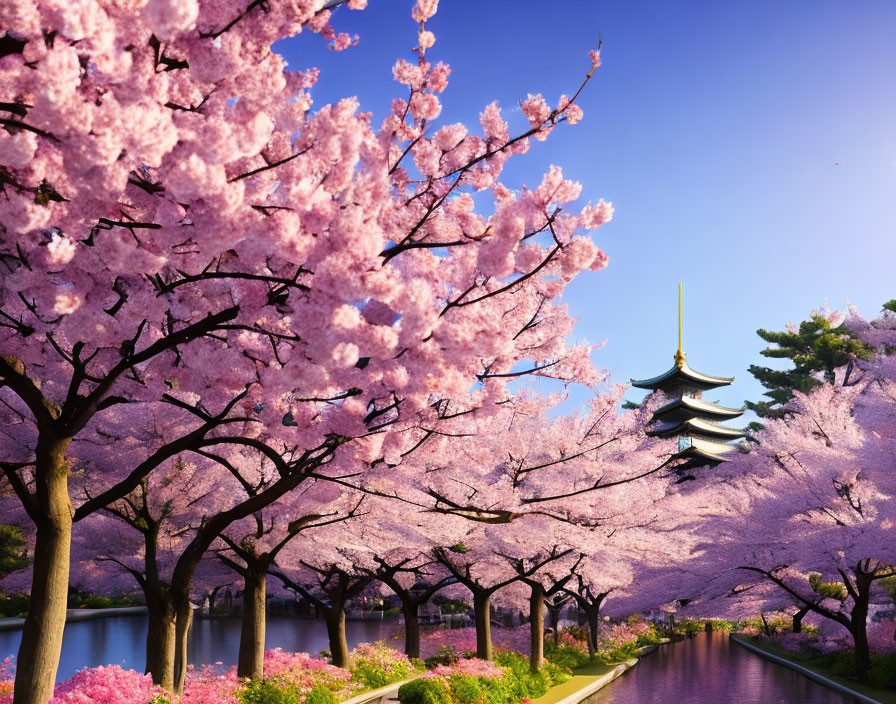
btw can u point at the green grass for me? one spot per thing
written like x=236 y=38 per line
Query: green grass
x=885 y=696
x=582 y=677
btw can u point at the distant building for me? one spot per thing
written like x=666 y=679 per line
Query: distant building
x=702 y=439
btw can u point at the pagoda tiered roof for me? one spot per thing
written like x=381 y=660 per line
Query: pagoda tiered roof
x=687 y=407
x=699 y=426
x=682 y=375
x=700 y=452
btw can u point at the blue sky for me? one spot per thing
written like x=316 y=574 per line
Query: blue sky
x=714 y=127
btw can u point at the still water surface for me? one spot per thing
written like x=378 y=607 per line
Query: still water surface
x=121 y=640
x=710 y=669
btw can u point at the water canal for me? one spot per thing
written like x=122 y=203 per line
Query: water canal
x=710 y=669
x=707 y=669
x=121 y=640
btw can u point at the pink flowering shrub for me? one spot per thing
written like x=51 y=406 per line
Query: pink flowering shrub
x=616 y=635
x=468 y=667
x=881 y=637
x=7 y=677
x=795 y=642
x=463 y=640
x=376 y=665
x=297 y=672
x=620 y=641
x=303 y=672
x=111 y=684
x=572 y=640
x=209 y=685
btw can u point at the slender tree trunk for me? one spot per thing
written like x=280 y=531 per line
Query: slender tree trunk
x=798 y=619
x=482 y=616
x=859 y=619
x=251 y=657
x=41 y=644
x=211 y=600
x=554 y=621
x=593 y=615
x=160 y=640
x=410 y=608
x=339 y=653
x=183 y=621
x=863 y=655
x=536 y=626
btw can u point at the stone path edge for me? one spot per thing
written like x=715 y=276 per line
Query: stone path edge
x=599 y=682
x=378 y=695
x=843 y=689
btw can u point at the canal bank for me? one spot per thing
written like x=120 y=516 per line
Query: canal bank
x=710 y=669
x=868 y=695
x=75 y=615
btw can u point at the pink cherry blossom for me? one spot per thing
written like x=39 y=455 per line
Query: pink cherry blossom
x=593 y=216
x=536 y=110
x=424 y=9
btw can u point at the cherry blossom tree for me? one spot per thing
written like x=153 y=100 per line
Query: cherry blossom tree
x=400 y=541
x=134 y=141
x=326 y=570
x=475 y=563
x=543 y=583
x=811 y=504
x=252 y=547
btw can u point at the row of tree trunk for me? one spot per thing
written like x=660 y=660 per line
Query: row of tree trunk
x=169 y=625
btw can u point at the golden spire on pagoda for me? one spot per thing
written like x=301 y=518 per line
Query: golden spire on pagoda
x=679 y=354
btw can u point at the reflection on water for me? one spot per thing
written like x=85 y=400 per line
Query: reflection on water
x=121 y=640
x=710 y=669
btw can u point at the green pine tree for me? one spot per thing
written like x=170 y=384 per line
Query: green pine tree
x=13 y=553
x=816 y=350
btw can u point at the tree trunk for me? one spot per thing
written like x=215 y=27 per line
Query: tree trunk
x=41 y=644
x=410 y=608
x=859 y=619
x=798 y=619
x=536 y=627
x=593 y=615
x=554 y=621
x=251 y=657
x=482 y=616
x=863 y=655
x=335 y=619
x=160 y=641
x=183 y=621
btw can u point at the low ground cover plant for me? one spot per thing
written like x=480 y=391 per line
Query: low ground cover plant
x=618 y=642
x=377 y=665
x=507 y=680
x=567 y=656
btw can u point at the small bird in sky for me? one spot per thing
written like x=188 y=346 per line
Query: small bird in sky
x=836 y=163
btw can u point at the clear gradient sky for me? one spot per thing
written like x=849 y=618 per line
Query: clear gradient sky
x=714 y=127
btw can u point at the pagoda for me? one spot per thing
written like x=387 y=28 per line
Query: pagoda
x=702 y=439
